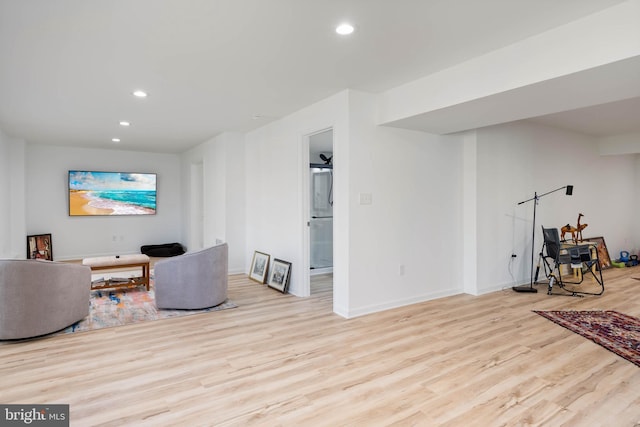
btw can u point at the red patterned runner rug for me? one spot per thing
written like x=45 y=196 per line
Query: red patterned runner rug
x=614 y=331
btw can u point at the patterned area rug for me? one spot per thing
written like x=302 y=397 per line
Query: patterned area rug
x=614 y=331
x=118 y=307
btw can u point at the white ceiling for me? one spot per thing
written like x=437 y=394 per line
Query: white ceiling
x=68 y=67
x=613 y=118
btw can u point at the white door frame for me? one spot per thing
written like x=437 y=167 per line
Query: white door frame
x=305 y=289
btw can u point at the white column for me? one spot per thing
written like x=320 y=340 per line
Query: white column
x=470 y=213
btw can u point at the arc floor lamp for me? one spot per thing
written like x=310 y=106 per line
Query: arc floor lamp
x=535 y=198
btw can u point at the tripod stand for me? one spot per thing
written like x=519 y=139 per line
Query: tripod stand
x=540 y=258
x=535 y=199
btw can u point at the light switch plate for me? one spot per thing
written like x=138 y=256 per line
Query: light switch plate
x=366 y=198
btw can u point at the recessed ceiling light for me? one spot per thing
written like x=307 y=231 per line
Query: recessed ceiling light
x=140 y=94
x=115 y=139
x=123 y=123
x=344 y=29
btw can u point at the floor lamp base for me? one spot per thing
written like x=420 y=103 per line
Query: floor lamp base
x=525 y=289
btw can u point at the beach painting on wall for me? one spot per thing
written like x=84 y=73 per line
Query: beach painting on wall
x=111 y=193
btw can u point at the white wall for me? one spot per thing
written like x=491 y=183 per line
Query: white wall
x=415 y=183
x=619 y=144
x=275 y=206
x=5 y=206
x=12 y=194
x=469 y=261
x=192 y=210
x=223 y=205
x=235 y=202
x=635 y=183
x=518 y=159
x=77 y=237
x=405 y=246
x=18 y=197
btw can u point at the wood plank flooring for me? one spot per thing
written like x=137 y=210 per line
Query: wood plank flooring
x=280 y=360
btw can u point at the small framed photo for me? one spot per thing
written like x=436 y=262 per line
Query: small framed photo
x=39 y=247
x=280 y=274
x=259 y=267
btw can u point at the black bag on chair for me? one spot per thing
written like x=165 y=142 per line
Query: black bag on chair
x=165 y=250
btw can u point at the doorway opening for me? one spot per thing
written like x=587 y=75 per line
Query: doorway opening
x=321 y=186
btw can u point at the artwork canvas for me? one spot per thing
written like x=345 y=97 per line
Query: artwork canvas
x=280 y=274
x=603 y=252
x=259 y=267
x=39 y=246
x=111 y=193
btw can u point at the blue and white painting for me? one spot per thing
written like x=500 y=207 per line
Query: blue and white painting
x=111 y=193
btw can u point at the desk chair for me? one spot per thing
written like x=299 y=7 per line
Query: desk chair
x=581 y=256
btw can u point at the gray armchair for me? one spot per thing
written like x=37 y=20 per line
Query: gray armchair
x=194 y=280
x=40 y=297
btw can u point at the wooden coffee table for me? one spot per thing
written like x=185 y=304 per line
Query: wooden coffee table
x=120 y=261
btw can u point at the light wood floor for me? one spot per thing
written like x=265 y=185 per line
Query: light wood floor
x=279 y=360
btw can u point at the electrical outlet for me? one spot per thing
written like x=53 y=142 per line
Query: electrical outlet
x=401 y=270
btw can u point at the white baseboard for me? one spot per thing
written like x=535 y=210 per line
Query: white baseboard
x=361 y=311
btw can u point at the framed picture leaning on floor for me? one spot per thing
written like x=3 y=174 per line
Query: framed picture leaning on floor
x=603 y=252
x=280 y=274
x=39 y=247
x=259 y=267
